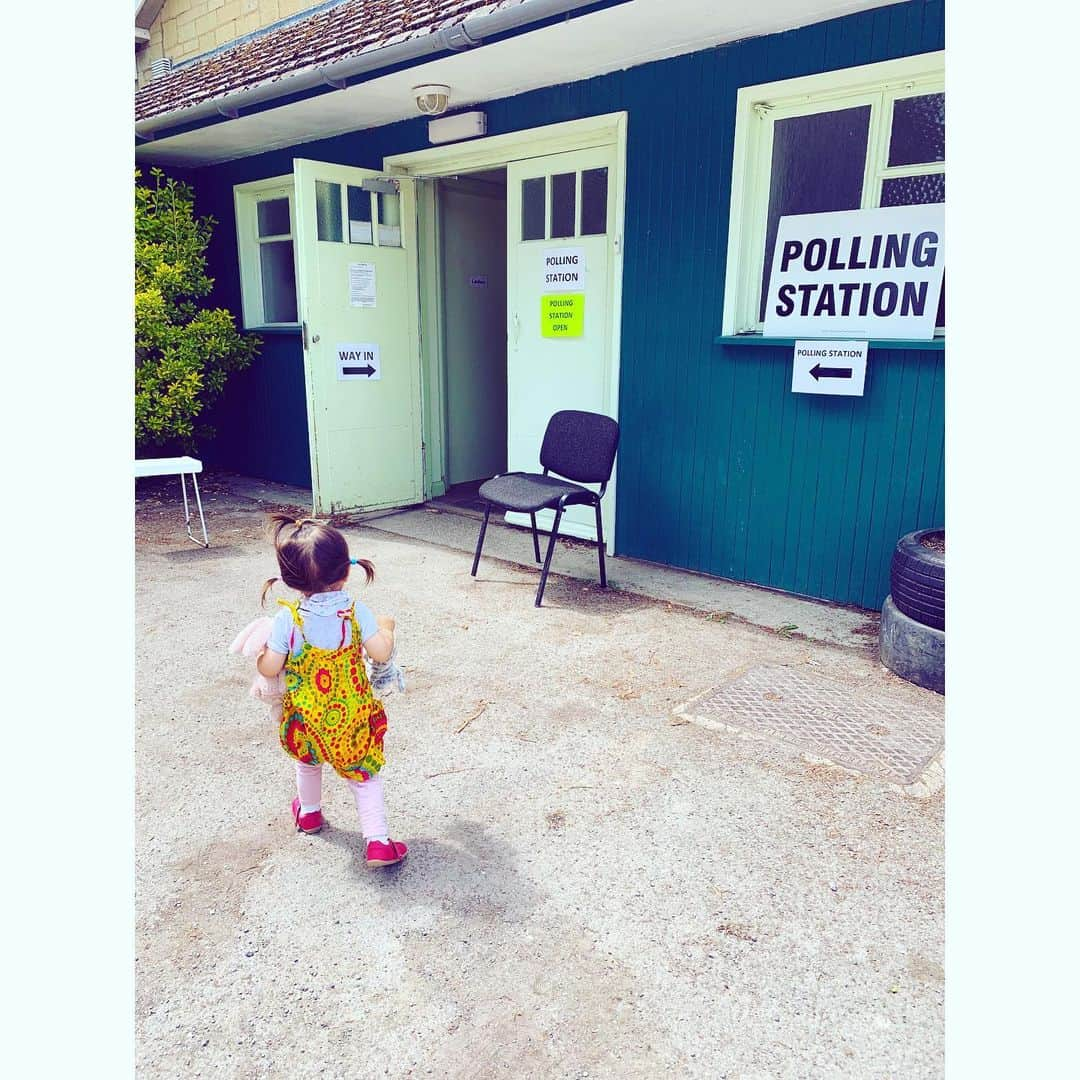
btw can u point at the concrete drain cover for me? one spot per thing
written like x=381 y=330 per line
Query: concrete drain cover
x=868 y=732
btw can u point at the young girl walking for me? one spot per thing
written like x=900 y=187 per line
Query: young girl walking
x=330 y=715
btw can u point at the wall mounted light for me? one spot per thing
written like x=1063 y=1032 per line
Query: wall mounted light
x=432 y=99
x=459 y=126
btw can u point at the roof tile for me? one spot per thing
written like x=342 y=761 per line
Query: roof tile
x=347 y=29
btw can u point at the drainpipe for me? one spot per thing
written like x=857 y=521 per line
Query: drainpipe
x=465 y=34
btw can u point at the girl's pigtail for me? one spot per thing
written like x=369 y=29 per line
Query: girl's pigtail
x=278 y=523
x=271 y=582
x=367 y=567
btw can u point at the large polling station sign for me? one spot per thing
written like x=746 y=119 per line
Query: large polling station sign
x=857 y=273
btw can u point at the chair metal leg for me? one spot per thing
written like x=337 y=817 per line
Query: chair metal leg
x=480 y=539
x=600 y=547
x=550 y=552
x=536 y=539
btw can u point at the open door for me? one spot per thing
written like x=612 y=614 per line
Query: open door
x=357 y=286
x=560 y=265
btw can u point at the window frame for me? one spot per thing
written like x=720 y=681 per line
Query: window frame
x=246 y=198
x=759 y=107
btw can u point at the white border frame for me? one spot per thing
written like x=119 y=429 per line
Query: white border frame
x=487 y=153
x=879 y=83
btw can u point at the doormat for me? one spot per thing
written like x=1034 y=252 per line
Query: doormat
x=899 y=742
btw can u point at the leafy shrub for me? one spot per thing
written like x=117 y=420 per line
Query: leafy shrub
x=183 y=352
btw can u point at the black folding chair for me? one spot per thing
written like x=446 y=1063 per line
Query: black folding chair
x=577 y=445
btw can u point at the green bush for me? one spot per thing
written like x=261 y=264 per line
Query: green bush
x=183 y=352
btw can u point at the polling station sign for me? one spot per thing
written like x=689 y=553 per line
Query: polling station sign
x=564 y=269
x=857 y=273
x=562 y=316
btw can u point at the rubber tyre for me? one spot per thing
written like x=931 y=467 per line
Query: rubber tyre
x=917 y=580
x=914 y=651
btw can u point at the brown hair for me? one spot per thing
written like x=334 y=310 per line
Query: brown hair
x=311 y=555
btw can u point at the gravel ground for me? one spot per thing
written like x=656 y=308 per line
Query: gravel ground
x=592 y=889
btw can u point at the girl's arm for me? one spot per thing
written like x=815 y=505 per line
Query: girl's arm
x=380 y=645
x=270 y=663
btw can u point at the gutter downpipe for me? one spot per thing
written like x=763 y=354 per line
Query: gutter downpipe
x=467 y=33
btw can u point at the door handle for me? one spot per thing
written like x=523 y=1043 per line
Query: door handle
x=517 y=328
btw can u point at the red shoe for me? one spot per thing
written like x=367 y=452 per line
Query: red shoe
x=307 y=823
x=380 y=854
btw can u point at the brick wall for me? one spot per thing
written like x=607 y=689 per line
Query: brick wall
x=188 y=28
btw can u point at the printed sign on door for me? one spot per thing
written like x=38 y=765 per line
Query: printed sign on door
x=358 y=362
x=562 y=316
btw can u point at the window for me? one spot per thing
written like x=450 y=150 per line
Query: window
x=586 y=191
x=265 y=218
x=844 y=140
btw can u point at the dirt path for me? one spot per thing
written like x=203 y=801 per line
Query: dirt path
x=592 y=890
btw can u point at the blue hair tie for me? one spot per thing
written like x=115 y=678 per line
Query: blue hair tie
x=354 y=562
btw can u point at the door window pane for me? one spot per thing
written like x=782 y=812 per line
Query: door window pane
x=278 y=281
x=918 y=130
x=274 y=217
x=359 y=215
x=817 y=165
x=328 y=210
x=532 y=208
x=593 y=202
x=389 y=219
x=563 y=204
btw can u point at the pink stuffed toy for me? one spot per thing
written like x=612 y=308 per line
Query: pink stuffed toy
x=250 y=642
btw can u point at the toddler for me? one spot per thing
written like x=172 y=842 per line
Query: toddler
x=330 y=714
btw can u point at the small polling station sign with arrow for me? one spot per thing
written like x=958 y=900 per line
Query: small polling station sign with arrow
x=358 y=362
x=829 y=367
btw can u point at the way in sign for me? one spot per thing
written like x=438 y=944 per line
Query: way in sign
x=358 y=361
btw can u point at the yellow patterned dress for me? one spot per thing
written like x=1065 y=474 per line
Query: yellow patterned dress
x=330 y=715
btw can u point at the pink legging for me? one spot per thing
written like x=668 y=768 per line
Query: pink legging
x=368 y=795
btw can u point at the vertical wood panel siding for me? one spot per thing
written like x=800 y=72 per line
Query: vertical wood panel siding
x=721 y=468
x=261 y=418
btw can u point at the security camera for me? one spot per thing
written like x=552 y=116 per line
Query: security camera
x=432 y=98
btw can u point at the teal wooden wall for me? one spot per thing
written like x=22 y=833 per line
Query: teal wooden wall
x=721 y=469
x=261 y=418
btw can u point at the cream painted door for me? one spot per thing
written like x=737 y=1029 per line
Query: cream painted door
x=560 y=262
x=356 y=278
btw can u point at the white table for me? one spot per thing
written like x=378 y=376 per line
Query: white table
x=184 y=466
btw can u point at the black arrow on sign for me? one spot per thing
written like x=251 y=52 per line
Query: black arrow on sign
x=368 y=370
x=820 y=372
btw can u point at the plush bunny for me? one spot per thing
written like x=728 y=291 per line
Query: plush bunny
x=385 y=677
x=250 y=642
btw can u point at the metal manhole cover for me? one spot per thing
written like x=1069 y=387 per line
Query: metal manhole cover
x=869 y=732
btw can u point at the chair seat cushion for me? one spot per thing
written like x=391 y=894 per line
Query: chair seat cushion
x=529 y=492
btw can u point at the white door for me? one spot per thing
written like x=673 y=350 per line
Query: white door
x=560 y=262
x=357 y=287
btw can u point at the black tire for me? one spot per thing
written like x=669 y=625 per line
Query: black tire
x=916 y=652
x=917 y=579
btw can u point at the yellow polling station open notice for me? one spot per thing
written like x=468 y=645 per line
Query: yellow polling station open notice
x=562 y=315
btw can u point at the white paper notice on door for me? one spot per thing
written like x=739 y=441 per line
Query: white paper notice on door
x=564 y=269
x=360 y=232
x=362 y=285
